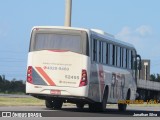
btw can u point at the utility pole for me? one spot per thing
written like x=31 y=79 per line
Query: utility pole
x=68 y=12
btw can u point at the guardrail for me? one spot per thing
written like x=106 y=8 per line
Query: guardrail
x=147 y=84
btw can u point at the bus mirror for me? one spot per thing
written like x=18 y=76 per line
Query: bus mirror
x=140 y=66
x=135 y=65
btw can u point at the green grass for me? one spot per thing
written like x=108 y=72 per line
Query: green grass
x=4 y=101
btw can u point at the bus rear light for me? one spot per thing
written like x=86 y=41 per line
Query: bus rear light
x=84 y=80
x=29 y=74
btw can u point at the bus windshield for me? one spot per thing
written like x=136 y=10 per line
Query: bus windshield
x=75 y=42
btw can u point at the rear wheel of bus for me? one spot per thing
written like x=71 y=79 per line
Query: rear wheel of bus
x=100 y=106
x=56 y=104
x=80 y=105
x=48 y=104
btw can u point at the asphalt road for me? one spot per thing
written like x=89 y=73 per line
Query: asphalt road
x=72 y=111
x=14 y=96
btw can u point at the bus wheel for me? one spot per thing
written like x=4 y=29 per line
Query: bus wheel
x=92 y=107
x=123 y=107
x=57 y=104
x=96 y=107
x=100 y=106
x=49 y=103
x=80 y=105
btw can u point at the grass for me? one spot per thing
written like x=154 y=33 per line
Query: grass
x=4 y=101
x=31 y=101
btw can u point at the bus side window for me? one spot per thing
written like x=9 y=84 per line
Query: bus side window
x=100 y=52
x=130 y=59
x=118 y=56
x=94 y=50
x=111 y=54
x=107 y=53
x=124 y=58
x=121 y=57
x=114 y=55
x=104 y=52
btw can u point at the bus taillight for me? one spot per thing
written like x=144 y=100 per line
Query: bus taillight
x=84 y=80
x=29 y=74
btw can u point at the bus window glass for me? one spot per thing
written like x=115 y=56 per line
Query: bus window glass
x=114 y=54
x=111 y=54
x=107 y=53
x=121 y=57
x=124 y=57
x=101 y=52
x=45 y=41
x=98 y=51
x=104 y=52
x=94 y=50
x=129 y=59
x=118 y=56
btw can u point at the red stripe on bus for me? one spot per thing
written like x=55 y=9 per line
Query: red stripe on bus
x=47 y=78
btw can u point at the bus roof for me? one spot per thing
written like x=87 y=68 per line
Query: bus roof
x=96 y=32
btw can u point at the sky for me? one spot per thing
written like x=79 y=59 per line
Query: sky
x=133 y=21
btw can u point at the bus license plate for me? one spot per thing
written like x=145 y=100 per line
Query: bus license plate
x=55 y=92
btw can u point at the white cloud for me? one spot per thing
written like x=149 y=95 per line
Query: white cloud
x=132 y=35
x=140 y=37
x=137 y=37
x=144 y=30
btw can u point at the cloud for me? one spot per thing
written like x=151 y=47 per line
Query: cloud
x=138 y=34
x=140 y=37
x=144 y=31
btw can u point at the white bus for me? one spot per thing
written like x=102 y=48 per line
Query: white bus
x=80 y=66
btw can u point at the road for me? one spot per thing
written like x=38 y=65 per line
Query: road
x=14 y=96
x=72 y=111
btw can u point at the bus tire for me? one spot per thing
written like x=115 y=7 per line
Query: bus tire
x=100 y=106
x=92 y=107
x=123 y=107
x=49 y=103
x=57 y=104
x=80 y=105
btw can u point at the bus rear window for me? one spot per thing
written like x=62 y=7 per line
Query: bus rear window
x=45 y=41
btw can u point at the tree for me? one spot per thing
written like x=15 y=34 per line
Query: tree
x=152 y=77
x=158 y=77
x=14 y=86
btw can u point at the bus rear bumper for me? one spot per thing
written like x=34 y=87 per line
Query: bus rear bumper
x=44 y=92
x=67 y=99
